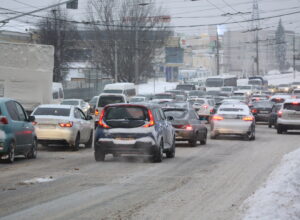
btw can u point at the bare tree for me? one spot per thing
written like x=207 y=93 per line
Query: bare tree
x=127 y=34
x=55 y=29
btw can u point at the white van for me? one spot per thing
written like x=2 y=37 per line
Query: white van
x=106 y=99
x=127 y=89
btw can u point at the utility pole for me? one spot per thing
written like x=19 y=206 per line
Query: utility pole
x=218 y=54
x=116 y=62
x=294 y=56
x=136 y=66
x=257 y=54
x=255 y=25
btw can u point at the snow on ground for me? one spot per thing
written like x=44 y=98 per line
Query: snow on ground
x=157 y=86
x=279 y=197
x=39 y=180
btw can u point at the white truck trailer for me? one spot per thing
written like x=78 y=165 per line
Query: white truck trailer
x=26 y=73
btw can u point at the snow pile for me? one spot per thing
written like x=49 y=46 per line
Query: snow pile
x=39 y=180
x=279 y=198
x=274 y=72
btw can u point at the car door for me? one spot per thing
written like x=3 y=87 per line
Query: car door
x=79 y=124
x=168 y=128
x=160 y=125
x=86 y=125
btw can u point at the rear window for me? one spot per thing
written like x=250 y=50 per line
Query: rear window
x=129 y=113
x=106 y=100
x=163 y=96
x=231 y=109
x=113 y=91
x=199 y=102
x=137 y=99
x=70 y=102
x=176 y=114
x=185 y=87
x=53 y=111
x=262 y=104
x=292 y=106
x=277 y=100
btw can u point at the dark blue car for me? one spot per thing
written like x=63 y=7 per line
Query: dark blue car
x=17 y=136
x=134 y=129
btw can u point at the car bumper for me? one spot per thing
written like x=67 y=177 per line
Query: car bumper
x=56 y=135
x=144 y=145
x=231 y=128
x=289 y=124
x=182 y=135
x=262 y=117
x=4 y=145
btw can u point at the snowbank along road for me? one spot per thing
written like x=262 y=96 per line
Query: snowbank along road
x=205 y=182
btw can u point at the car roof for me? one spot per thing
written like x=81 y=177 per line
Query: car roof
x=4 y=99
x=140 y=104
x=292 y=100
x=235 y=105
x=112 y=94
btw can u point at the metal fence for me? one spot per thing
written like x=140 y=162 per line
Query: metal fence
x=82 y=90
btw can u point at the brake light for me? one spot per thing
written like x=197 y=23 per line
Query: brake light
x=3 y=121
x=217 y=118
x=254 y=110
x=248 y=118
x=66 y=125
x=96 y=112
x=279 y=114
x=189 y=127
x=101 y=122
x=151 y=121
x=295 y=103
x=205 y=106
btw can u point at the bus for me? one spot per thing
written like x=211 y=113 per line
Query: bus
x=215 y=83
x=258 y=81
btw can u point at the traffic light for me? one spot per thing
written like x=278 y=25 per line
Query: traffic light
x=72 y=4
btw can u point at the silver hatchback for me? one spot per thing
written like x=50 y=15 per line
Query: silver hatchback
x=63 y=124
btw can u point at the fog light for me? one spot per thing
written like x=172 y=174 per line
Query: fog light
x=1 y=148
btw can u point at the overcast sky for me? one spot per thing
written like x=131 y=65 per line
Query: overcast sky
x=184 y=13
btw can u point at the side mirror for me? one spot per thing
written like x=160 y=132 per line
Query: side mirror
x=31 y=118
x=170 y=118
x=89 y=118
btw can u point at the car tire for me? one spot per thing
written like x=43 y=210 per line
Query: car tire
x=89 y=144
x=75 y=147
x=33 y=150
x=99 y=154
x=171 y=153
x=11 y=153
x=249 y=136
x=158 y=153
x=203 y=142
x=213 y=136
x=270 y=125
x=279 y=129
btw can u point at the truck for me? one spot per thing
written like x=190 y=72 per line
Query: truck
x=258 y=81
x=26 y=74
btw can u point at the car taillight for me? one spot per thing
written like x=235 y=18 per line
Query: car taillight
x=101 y=122
x=34 y=123
x=188 y=127
x=205 y=106
x=279 y=114
x=254 y=110
x=217 y=118
x=66 y=125
x=96 y=112
x=151 y=120
x=295 y=103
x=3 y=121
x=248 y=118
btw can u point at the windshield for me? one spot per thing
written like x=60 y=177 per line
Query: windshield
x=217 y=82
x=185 y=87
x=176 y=114
x=196 y=93
x=70 y=102
x=113 y=91
x=255 y=82
x=292 y=106
x=137 y=99
x=296 y=92
x=106 y=100
x=266 y=104
x=245 y=87
x=53 y=111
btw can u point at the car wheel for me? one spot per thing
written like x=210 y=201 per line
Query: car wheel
x=90 y=142
x=159 y=153
x=249 y=135
x=11 y=153
x=279 y=129
x=33 y=151
x=213 y=136
x=171 y=153
x=99 y=154
x=76 y=144
x=203 y=142
x=116 y=155
x=270 y=125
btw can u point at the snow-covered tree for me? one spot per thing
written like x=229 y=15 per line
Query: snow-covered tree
x=280 y=46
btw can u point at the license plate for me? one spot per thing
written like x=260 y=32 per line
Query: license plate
x=47 y=126
x=124 y=139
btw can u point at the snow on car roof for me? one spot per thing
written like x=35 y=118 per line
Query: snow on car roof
x=55 y=106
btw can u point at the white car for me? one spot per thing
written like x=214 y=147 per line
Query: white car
x=288 y=117
x=80 y=103
x=63 y=124
x=203 y=106
x=233 y=119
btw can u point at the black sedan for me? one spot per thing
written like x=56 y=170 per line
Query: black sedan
x=273 y=115
x=261 y=110
x=187 y=125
